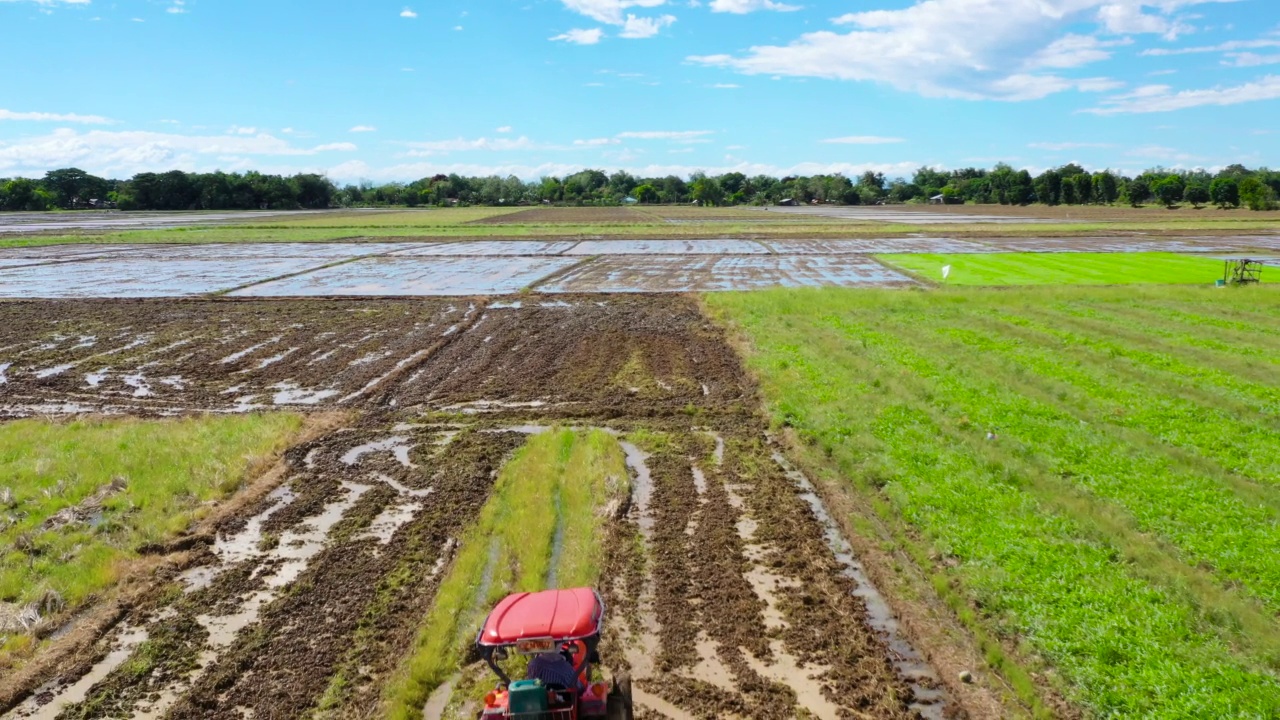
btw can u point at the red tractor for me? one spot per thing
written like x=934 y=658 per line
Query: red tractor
x=541 y=625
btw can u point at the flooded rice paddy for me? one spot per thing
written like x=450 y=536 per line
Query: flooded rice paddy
x=508 y=266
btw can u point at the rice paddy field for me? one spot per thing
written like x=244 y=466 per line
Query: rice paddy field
x=1086 y=477
x=247 y=473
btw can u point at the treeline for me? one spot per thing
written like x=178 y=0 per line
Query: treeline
x=1232 y=187
x=72 y=189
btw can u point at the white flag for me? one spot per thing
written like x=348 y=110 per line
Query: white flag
x=946 y=271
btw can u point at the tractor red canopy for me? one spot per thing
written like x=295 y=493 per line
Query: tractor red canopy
x=559 y=614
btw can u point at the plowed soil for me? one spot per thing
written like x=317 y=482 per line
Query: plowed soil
x=725 y=597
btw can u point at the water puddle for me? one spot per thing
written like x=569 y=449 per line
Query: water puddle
x=397 y=445
x=139 y=384
x=930 y=701
x=786 y=669
x=127 y=640
x=440 y=697
x=240 y=546
x=288 y=393
x=248 y=351
x=641 y=486
x=699 y=481
x=266 y=362
x=402 y=489
x=298 y=546
x=391 y=519
x=55 y=370
x=483 y=406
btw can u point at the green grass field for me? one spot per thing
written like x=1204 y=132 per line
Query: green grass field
x=556 y=486
x=1089 y=476
x=163 y=473
x=1062 y=268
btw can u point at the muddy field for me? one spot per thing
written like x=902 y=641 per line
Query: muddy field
x=569 y=215
x=303 y=595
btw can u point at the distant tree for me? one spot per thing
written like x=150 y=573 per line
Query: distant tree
x=1138 y=191
x=1105 y=187
x=646 y=194
x=1168 y=190
x=901 y=191
x=707 y=191
x=24 y=195
x=1225 y=191
x=1084 y=188
x=1256 y=195
x=72 y=184
x=1197 y=194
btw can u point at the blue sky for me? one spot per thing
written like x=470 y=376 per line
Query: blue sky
x=400 y=90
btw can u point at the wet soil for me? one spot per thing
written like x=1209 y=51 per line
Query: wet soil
x=557 y=215
x=724 y=597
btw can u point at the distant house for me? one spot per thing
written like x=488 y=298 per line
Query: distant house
x=937 y=200
x=630 y=200
x=789 y=202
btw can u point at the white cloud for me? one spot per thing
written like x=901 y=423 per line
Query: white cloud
x=287 y=131
x=638 y=27
x=237 y=130
x=457 y=28
x=863 y=140
x=966 y=49
x=363 y=129
x=1248 y=59
x=741 y=7
x=1221 y=47
x=128 y=152
x=578 y=36
x=408 y=13
x=1162 y=98
x=336 y=147
x=177 y=8
x=1059 y=146
x=724 y=86
x=676 y=136
x=53 y=117
x=504 y=129
x=596 y=142
x=610 y=12
x=1130 y=18
x=439 y=147
x=1071 y=51
x=1163 y=155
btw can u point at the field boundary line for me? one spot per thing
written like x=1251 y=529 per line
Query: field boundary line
x=286 y=276
x=561 y=273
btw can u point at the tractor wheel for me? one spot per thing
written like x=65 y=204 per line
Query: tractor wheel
x=619 y=703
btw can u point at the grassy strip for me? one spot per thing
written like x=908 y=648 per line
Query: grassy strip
x=164 y=472
x=1061 y=268
x=558 y=484
x=1044 y=566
